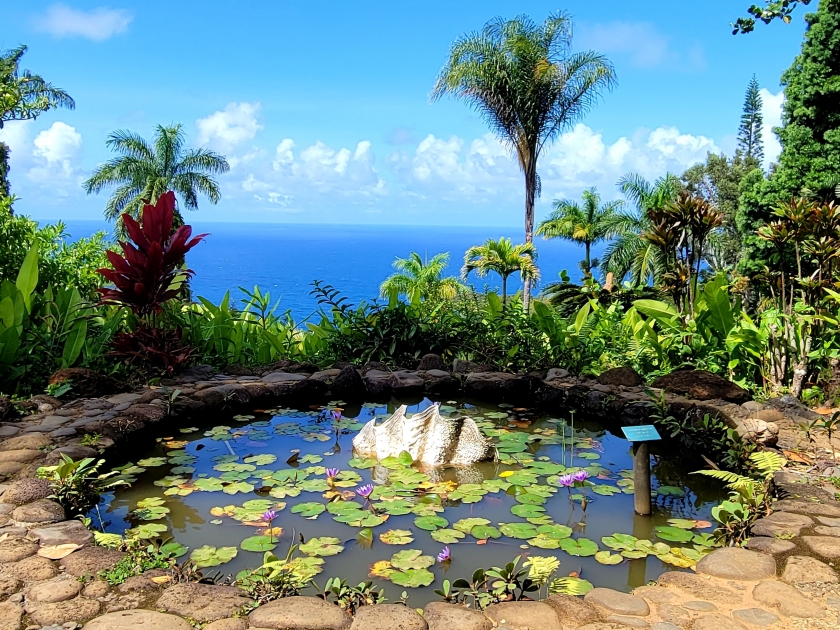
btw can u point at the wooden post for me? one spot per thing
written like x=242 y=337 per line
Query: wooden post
x=641 y=478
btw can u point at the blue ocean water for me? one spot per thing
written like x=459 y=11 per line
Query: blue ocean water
x=285 y=258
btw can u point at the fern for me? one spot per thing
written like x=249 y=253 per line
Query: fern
x=733 y=481
x=767 y=463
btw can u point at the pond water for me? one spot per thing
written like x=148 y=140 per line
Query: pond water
x=207 y=487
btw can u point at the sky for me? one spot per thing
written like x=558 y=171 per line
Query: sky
x=323 y=109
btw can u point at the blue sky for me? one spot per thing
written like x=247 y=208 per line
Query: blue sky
x=323 y=108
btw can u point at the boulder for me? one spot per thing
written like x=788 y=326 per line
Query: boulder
x=40 y=511
x=522 y=615
x=406 y=383
x=91 y=560
x=806 y=570
x=54 y=591
x=348 y=385
x=459 y=366
x=572 y=611
x=758 y=431
x=64 y=533
x=203 y=602
x=701 y=385
x=790 y=601
x=377 y=382
x=699 y=587
x=823 y=546
x=734 y=563
x=300 y=613
x=377 y=366
x=11 y=615
x=773 y=546
x=31 y=569
x=27 y=490
x=781 y=524
x=16 y=549
x=445 y=616
x=431 y=362
x=28 y=442
x=616 y=602
x=624 y=376
x=283 y=377
x=387 y=617
x=440 y=382
x=497 y=386
x=87 y=383
x=137 y=620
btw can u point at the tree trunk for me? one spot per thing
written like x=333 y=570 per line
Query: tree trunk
x=504 y=289
x=4 y=169
x=588 y=271
x=530 y=194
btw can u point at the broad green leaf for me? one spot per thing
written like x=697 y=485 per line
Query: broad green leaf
x=605 y=557
x=323 y=546
x=396 y=537
x=258 y=543
x=309 y=510
x=208 y=556
x=447 y=536
x=579 y=547
x=518 y=530
x=673 y=534
x=431 y=523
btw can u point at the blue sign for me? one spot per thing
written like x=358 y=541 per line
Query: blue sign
x=644 y=433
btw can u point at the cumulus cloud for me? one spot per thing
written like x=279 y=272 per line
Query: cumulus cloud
x=97 y=24
x=56 y=155
x=228 y=128
x=771 y=112
x=581 y=158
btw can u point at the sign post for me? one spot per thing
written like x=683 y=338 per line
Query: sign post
x=640 y=437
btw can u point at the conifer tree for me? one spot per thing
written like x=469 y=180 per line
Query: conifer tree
x=750 y=142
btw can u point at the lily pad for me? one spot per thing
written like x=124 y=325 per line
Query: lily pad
x=413 y=578
x=518 y=530
x=208 y=556
x=396 y=537
x=261 y=460
x=258 y=543
x=483 y=532
x=411 y=559
x=152 y=462
x=605 y=490
x=309 y=510
x=527 y=511
x=670 y=491
x=431 y=523
x=324 y=546
x=673 y=534
x=582 y=547
x=447 y=536
x=605 y=557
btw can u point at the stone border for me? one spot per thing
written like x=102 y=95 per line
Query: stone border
x=738 y=588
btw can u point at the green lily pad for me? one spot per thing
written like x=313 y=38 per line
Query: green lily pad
x=447 y=536
x=311 y=459
x=261 y=460
x=605 y=490
x=362 y=462
x=673 y=534
x=582 y=547
x=396 y=537
x=431 y=523
x=258 y=543
x=518 y=530
x=466 y=524
x=670 y=491
x=570 y=586
x=558 y=532
x=208 y=556
x=605 y=557
x=527 y=511
x=237 y=487
x=530 y=499
x=152 y=462
x=411 y=559
x=324 y=546
x=682 y=523
x=413 y=578
x=147 y=531
x=620 y=542
x=309 y=510
x=483 y=532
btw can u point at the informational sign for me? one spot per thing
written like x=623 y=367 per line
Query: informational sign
x=643 y=433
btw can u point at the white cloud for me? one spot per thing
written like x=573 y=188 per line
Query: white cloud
x=16 y=135
x=97 y=24
x=56 y=156
x=484 y=170
x=226 y=129
x=771 y=112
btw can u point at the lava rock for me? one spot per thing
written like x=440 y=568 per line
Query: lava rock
x=701 y=385
x=87 y=383
x=431 y=362
x=625 y=376
x=348 y=385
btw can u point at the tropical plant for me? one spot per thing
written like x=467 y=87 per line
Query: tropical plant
x=77 y=485
x=629 y=256
x=420 y=279
x=503 y=258
x=749 y=499
x=276 y=577
x=528 y=86
x=588 y=223
x=23 y=95
x=149 y=272
x=775 y=10
x=144 y=172
x=351 y=598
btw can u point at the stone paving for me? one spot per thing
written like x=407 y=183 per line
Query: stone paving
x=785 y=578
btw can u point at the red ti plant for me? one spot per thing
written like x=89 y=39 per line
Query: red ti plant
x=144 y=276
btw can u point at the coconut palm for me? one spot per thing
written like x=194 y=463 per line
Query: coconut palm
x=421 y=278
x=502 y=258
x=588 y=223
x=630 y=256
x=528 y=86
x=145 y=171
x=23 y=95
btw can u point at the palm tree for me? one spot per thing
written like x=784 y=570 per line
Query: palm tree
x=421 y=278
x=145 y=171
x=589 y=223
x=528 y=86
x=503 y=258
x=630 y=254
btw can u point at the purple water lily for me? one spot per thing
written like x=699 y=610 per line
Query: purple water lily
x=580 y=476
x=269 y=516
x=336 y=414
x=365 y=491
x=566 y=481
x=445 y=555
x=332 y=473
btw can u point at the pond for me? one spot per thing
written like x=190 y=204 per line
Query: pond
x=209 y=487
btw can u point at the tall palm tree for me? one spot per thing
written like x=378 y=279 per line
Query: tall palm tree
x=630 y=254
x=502 y=258
x=528 y=86
x=588 y=223
x=145 y=171
x=421 y=278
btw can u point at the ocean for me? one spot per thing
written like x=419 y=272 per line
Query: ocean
x=284 y=259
